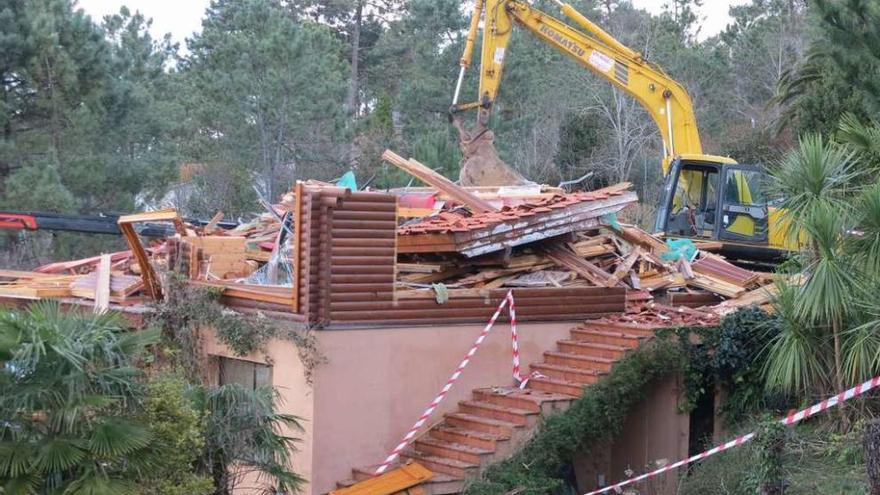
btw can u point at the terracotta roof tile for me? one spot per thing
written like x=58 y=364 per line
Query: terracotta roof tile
x=462 y=221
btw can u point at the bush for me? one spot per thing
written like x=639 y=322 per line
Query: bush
x=177 y=431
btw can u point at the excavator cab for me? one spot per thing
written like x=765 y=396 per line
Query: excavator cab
x=714 y=198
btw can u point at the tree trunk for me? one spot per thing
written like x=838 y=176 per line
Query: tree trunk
x=353 y=86
x=838 y=373
x=871 y=444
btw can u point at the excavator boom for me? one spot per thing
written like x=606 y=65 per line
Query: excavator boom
x=704 y=196
x=665 y=100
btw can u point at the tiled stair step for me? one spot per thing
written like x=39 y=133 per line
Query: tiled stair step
x=501 y=413
x=558 y=386
x=459 y=452
x=620 y=327
x=607 y=351
x=577 y=376
x=529 y=400
x=452 y=467
x=605 y=337
x=464 y=436
x=480 y=423
x=578 y=361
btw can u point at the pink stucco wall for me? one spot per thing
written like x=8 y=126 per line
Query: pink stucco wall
x=379 y=381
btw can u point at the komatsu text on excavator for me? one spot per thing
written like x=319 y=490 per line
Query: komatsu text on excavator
x=705 y=197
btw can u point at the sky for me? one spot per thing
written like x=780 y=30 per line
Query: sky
x=183 y=17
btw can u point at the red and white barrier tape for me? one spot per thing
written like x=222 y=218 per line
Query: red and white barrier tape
x=508 y=300
x=788 y=420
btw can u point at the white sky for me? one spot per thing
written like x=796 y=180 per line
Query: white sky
x=183 y=17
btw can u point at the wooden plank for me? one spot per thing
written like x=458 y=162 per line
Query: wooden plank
x=297 y=242
x=63 y=266
x=102 y=287
x=717 y=286
x=18 y=274
x=151 y=281
x=635 y=235
x=212 y=223
x=624 y=267
x=421 y=267
x=434 y=179
x=407 y=212
x=593 y=251
x=580 y=266
x=430 y=278
x=389 y=483
x=167 y=214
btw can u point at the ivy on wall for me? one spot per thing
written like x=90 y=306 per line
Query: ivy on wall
x=539 y=467
x=187 y=308
x=730 y=356
x=705 y=356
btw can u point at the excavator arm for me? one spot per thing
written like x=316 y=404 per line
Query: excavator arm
x=664 y=99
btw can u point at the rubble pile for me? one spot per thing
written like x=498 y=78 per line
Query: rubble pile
x=450 y=241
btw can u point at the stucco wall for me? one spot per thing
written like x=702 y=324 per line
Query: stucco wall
x=378 y=382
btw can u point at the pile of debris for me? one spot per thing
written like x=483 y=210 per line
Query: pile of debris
x=534 y=236
x=451 y=241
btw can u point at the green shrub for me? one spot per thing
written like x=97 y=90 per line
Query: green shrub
x=176 y=426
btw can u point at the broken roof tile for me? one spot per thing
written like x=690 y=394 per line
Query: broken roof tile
x=462 y=221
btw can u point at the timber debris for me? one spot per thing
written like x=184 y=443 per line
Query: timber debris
x=326 y=254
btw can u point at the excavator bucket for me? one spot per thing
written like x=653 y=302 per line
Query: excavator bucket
x=481 y=165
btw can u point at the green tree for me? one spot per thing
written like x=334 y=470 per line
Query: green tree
x=143 y=120
x=831 y=198
x=53 y=69
x=68 y=396
x=413 y=65
x=266 y=94
x=838 y=75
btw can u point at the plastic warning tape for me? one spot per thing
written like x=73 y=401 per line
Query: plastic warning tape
x=788 y=420
x=507 y=302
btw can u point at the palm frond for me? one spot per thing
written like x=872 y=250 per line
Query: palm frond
x=795 y=360
x=865 y=241
x=59 y=454
x=95 y=483
x=26 y=484
x=831 y=278
x=15 y=458
x=864 y=138
x=816 y=174
x=114 y=437
x=861 y=352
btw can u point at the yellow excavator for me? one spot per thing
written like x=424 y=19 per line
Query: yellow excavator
x=704 y=197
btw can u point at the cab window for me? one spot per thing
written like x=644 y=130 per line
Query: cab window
x=694 y=203
x=745 y=206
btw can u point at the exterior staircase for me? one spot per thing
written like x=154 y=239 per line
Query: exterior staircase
x=498 y=420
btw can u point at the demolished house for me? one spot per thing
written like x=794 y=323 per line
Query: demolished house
x=396 y=284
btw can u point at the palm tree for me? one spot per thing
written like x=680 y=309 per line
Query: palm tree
x=244 y=435
x=832 y=198
x=816 y=182
x=67 y=395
